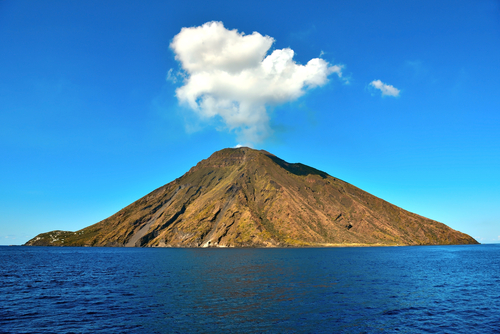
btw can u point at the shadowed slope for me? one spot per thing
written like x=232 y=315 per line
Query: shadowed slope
x=244 y=197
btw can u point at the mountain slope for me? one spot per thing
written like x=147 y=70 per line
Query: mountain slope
x=244 y=197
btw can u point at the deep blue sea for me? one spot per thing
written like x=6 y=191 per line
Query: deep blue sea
x=426 y=289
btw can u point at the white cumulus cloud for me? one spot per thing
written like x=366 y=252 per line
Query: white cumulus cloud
x=388 y=90
x=231 y=75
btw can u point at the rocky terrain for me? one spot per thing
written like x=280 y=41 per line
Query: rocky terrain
x=248 y=198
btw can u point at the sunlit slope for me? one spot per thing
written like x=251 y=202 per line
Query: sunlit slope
x=248 y=198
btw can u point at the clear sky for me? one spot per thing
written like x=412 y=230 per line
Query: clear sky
x=102 y=102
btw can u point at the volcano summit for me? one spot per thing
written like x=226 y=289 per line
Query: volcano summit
x=242 y=197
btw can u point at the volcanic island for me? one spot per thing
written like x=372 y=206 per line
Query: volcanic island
x=241 y=197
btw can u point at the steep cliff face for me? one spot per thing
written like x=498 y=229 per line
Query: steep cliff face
x=248 y=198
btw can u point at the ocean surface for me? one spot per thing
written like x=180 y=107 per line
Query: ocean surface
x=426 y=289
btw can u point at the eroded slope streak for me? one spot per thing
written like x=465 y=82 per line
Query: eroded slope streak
x=243 y=197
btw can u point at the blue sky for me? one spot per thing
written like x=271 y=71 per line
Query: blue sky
x=89 y=122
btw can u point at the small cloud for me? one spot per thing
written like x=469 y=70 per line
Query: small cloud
x=347 y=79
x=230 y=76
x=387 y=90
x=174 y=77
x=170 y=76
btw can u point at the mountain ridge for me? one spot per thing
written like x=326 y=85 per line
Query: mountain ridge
x=241 y=197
